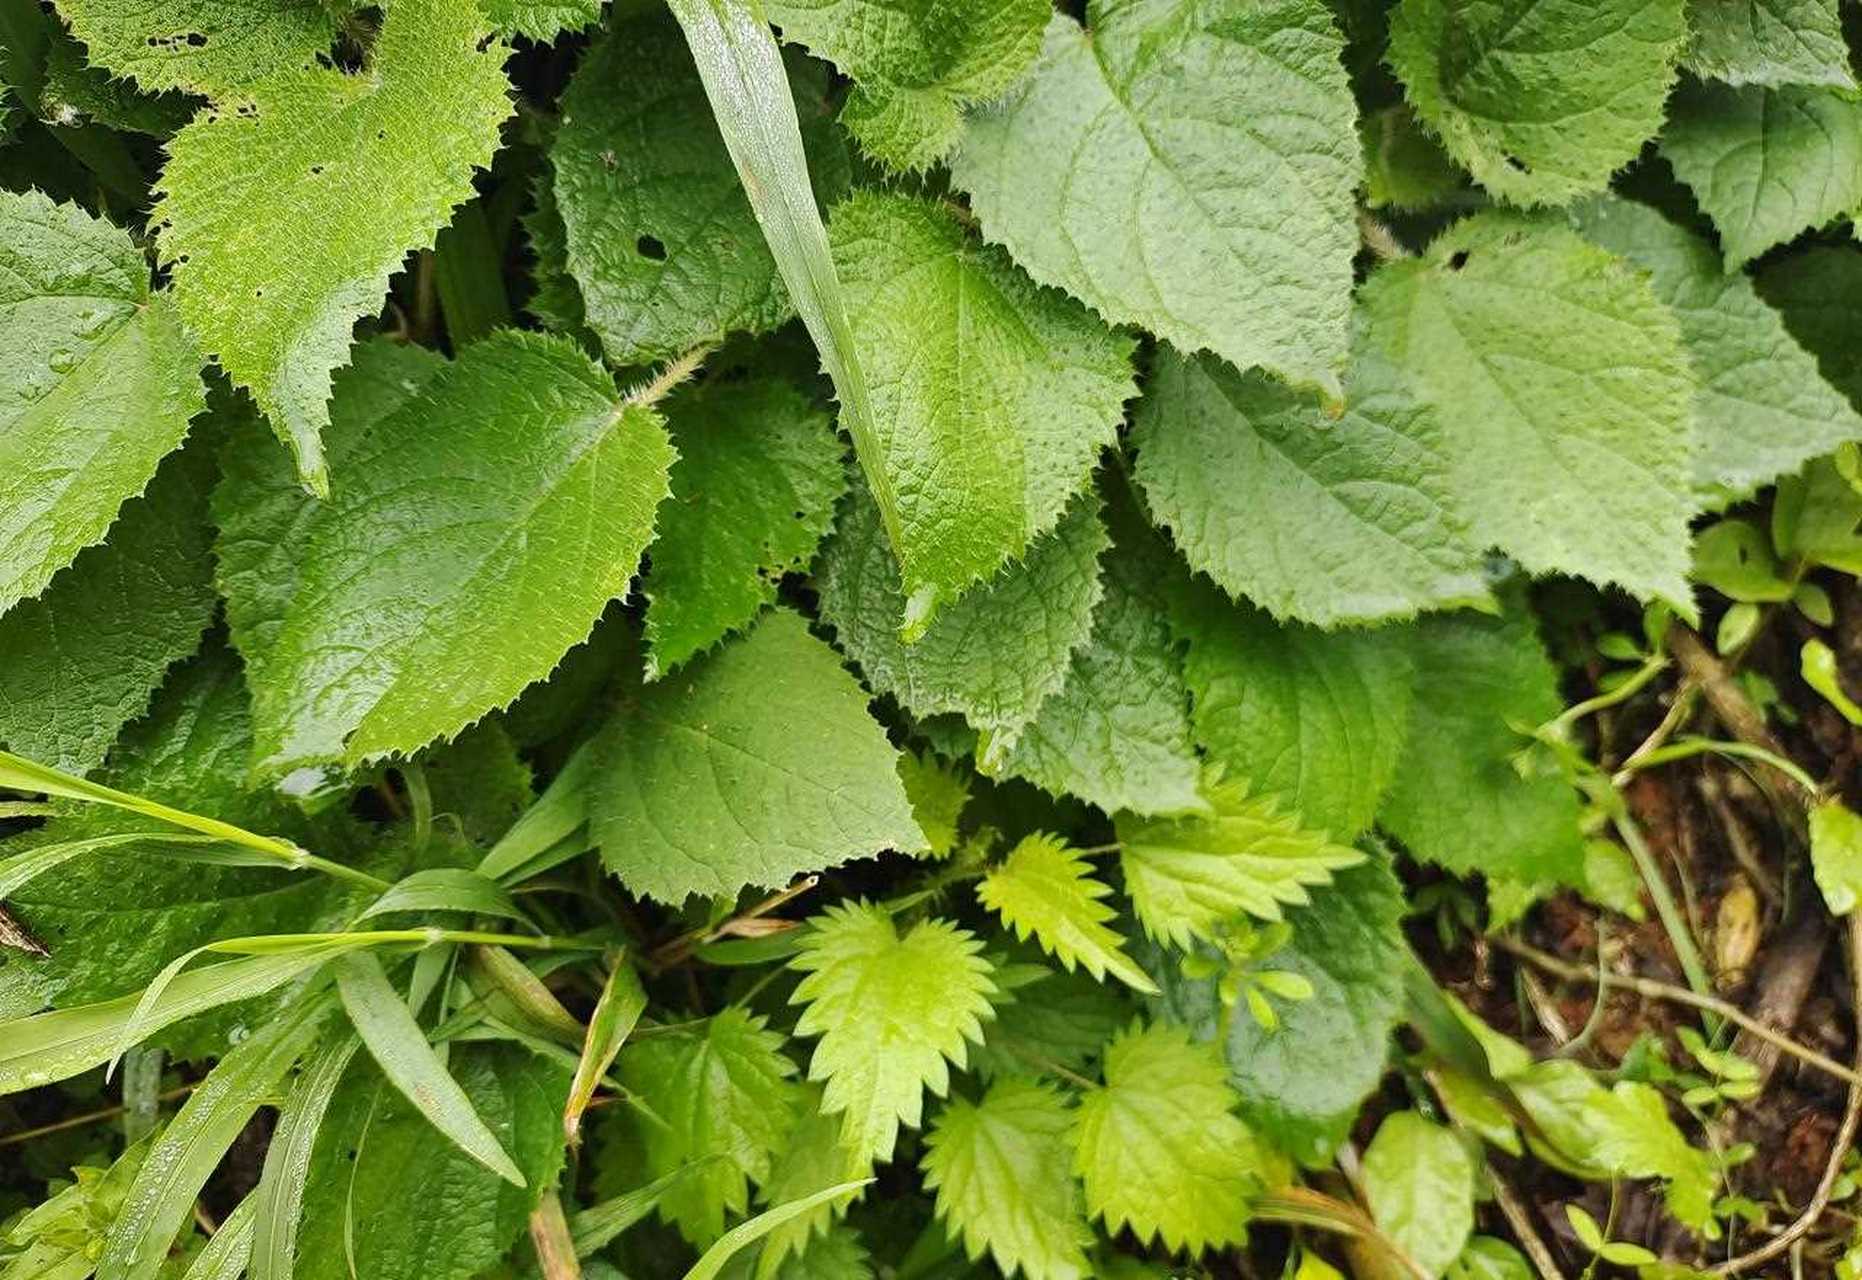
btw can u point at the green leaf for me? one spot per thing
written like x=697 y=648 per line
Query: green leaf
x=938 y=793
x=994 y=396
x=811 y=1159
x=1051 y=1017
x=996 y=655
x=1186 y=876
x=1117 y=733
x=750 y=767
x=1490 y=1258
x=892 y=1012
x=511 y=496
x=754 y=487
x=1562 y=393
x=1315 y=719
x=203 y=46
x=445 y=889
x=1046 y=890
x=1817 y=515
x=161 y=1200
x=400 y=1049
x=660 y=235
x=1639 y=1140
x=98 y=382
x=1542 y=100
x=278 y=1201
x=617 y=1012
x=1405 y=168
x=745 y=1234
x=721 y=1088
x=914 y=68
x=1159 y=1149
x=1189 y=168
x=1457 y=799
x=541 y=20
x=374 y=162
x=1312 y=516
x=1819 y=292
x=1001 y=1173
x=838 y=1254
x=1348 y=944
x=1760 y=408
x=1419 y=1182
x=85 y=656
x=1766 y=164
x=1836 y=855
x=380 y=1170
x=1773 y=42
x=225 y=1256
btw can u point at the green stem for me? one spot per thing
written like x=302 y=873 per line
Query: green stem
x=1668 y=910
x=1651 y=668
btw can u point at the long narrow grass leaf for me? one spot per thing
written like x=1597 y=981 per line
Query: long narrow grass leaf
x=748 y=1233
x=400 y=1048
x=226 y=1255
x=622 y=1002
x=446 y=889
x=279 y=1199
x=512 y=992
x=601 y=1224
x=551 y=823
x=22 y=869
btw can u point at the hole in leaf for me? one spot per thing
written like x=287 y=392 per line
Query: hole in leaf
x=650 y=247
x=1458 y=260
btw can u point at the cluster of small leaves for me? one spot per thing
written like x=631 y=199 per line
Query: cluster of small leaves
x=947 y=553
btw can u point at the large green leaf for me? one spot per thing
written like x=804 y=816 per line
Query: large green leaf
x=475 y=534
x=1562 y=393
x=751 y=766
x=1766 y=164
x=1542 y=100
x=1189 y=166
x=97 y=383
x=203 y=46
x=285 y=207
x=1326 y=519
x=993 y=397
x=1773 y=42
x=660 y=235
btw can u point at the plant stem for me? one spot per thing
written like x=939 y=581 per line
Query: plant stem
x=1666 y=908
x=1304 y=1207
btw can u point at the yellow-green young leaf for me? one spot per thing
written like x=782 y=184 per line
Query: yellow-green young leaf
x=202 y=46
x=1640 y=1140
x=1419 y=1182
x=721 y=1088
x=1561 y=392
x=1046 y=889
x=475 y=534
x=1188 y=875
x=993 y=396
x=1836 y=854
x=1773 y=42
x=1542 y=100
x=749 y=767
x=1188 y=166
x=1159 y=1149
x=285 y=207
x=1001 y=1173
x=97 y=383
x=915 y=66
x=893 y=1013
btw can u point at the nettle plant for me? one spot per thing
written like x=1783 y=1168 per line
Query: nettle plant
x=690 y=651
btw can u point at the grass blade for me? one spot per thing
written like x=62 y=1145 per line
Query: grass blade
x=225 y=1256
x=446 y=889
x=162 y=1197
x=23 y=868
x=549 y=825
x=741 y=66
x=279 y=1199
x=599 y=1225
x=622 y=1002
x=748 y=1233
x=400 y=1048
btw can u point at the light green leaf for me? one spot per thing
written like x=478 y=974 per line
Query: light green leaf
x=1760 y=408
x=1542 y=100
x=541 y=20
x=660 y=236
x=445 y=889
x=1419 y=1181
x=994 y=397
x=745 y=1234
x=938 y=793
x=721 y=1087
x=1315 y=719
x=1311 y=515
x=750 y=767
x=1159 y=1149
x=1836 y=855
x=1189 y=166
x=1001 y=1173
x=1046 y=890
x=83 y=658
x=892 y=1012
x=1457 y=799
x=225 y=1256
x=1562 y=393
x=1766 y=164
x=1638 y=1139
x=97 y=381
x=1818 y=515
x=1772 y=42
x=1348 y=944
x=203 y=46
x=617 y=1012
x=278 y=1201
x=1188 y=875
x=400 y=1048
x=511 y=497
x=914 y=66
x=1117 y=734
x=754 y=487
x=1490 y=1258
x=373 y=162
x=994 y=656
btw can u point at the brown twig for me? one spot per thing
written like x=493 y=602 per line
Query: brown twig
x=1740 y=716
x=88 y=1117
x=1519 y=1217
